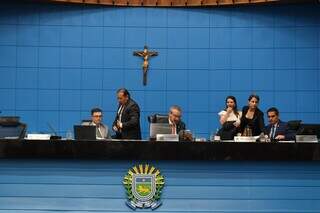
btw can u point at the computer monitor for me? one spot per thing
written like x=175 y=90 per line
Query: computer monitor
x=309 y=129
x=159 y=128
x=84 y=132
x=13 y=131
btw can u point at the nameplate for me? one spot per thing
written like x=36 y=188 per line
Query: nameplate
x=38 y=137
x=167 y=137
x=306 y=139
x=245 y=139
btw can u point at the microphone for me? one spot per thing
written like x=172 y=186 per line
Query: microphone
x=54 y=136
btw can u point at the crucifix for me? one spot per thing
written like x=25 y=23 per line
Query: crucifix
x=145 y=54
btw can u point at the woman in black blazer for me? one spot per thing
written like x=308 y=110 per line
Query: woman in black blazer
x=252 y=117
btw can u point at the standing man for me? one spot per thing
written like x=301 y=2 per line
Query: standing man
x=277 y=129
x=175 y=121
x=127 y=121
x=102 y=131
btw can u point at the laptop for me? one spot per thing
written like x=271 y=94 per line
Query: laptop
x=159 y=128
x=13 y=132
x=309 y=129
x=84 y=132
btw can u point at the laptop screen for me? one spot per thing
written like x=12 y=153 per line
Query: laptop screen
x=12 y=131
x=84 y=132
x=159 y=128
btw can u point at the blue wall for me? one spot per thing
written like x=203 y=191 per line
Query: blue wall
x=59 y=61
x=96 y=186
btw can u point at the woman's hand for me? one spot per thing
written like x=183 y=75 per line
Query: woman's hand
x=229 y=110
x=236 y=123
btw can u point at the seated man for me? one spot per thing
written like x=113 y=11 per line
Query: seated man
x=102 y=131
x=175 y=119
x=277 y=129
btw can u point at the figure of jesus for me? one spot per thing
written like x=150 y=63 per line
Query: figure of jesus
x=145 y=54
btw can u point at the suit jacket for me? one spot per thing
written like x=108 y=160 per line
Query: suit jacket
x=130 y=120
x=256 y=124
x=180 y=126
x=282 y=129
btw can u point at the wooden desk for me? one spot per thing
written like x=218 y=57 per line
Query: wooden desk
x=150 y=150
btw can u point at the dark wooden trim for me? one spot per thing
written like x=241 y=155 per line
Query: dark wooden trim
x=147 y=150
x=166 y=3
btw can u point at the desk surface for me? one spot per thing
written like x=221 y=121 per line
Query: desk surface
x=148 y=150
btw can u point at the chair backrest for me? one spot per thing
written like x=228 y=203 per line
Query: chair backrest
x=158 y=118
x=85 y=122
x=9 y=120
x=294 y=125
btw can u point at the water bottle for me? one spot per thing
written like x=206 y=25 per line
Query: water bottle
x=262 y=138
x=217 y=136
x=212 y=136
x=69 y=135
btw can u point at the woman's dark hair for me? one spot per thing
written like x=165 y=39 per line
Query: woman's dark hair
x=124 y=91
x=254 y=96
x=235 y=108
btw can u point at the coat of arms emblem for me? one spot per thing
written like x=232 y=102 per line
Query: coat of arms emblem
x=143 y=186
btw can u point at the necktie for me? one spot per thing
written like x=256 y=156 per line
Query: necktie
x=98 y=133
x=173 y=129
x=120 y=112
x=273 y=131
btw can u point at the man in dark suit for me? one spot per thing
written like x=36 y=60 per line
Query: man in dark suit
x=277 y=129
x=127 y=121
x=175 y=121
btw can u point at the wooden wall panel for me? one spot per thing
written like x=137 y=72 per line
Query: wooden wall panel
x=150 y=2
x=106 y=2
x=224 y=2
x=167 y=3
x=91 y=1
x=194 y=2
x=135 y=2
x=120 y=2
x=179 y=3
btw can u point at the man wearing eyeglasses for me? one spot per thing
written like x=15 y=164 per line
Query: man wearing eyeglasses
x=175 y=121
x=102 y=131
x=277 y=130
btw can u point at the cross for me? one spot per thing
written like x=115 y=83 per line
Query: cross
x=145 y=54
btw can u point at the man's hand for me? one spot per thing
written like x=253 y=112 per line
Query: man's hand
x=280 y=137
x=119 y=125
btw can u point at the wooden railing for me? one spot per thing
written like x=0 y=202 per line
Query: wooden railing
x=168 y=3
